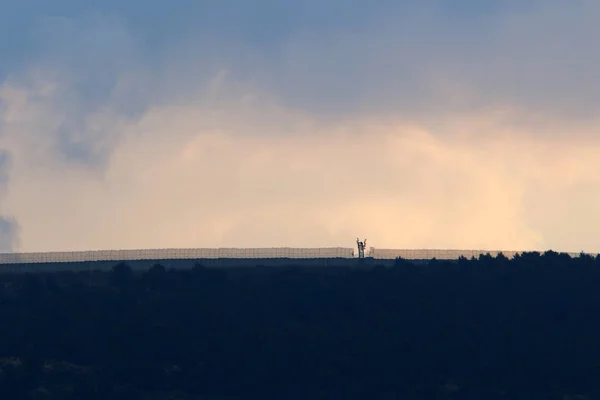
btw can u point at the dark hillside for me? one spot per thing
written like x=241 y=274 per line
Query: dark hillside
x=479 y=329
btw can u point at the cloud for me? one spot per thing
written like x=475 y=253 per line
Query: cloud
x=421 y=59
x=411 y=137
x=431 y=61
x=9 y=228
x=190 y=176
x=8 y=235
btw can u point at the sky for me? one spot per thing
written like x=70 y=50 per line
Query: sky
x=455 y=124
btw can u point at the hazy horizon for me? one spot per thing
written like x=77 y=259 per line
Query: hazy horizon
x=433 y=124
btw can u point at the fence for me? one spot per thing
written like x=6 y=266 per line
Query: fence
x=427 y=254
x=242 y=253
x=165 y=254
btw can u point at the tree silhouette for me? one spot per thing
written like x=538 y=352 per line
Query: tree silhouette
x=122 y=274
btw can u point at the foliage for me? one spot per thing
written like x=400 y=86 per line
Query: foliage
x=481 y=328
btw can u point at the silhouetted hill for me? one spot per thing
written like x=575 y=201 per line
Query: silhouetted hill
x=491 y=328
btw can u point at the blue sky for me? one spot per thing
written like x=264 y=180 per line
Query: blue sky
x=504 y=94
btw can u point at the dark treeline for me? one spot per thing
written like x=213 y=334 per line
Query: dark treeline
x=492 y=328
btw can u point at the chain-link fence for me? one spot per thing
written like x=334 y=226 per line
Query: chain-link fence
x=427 y=254
x=244 y=253
x=160 y=254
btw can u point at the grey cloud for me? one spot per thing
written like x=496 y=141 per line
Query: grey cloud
x=331 y=59
x=426 y=63
x=94 y=67
x=90 y=55
x=5 y=160
x=9 y=231
x=9 y=228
